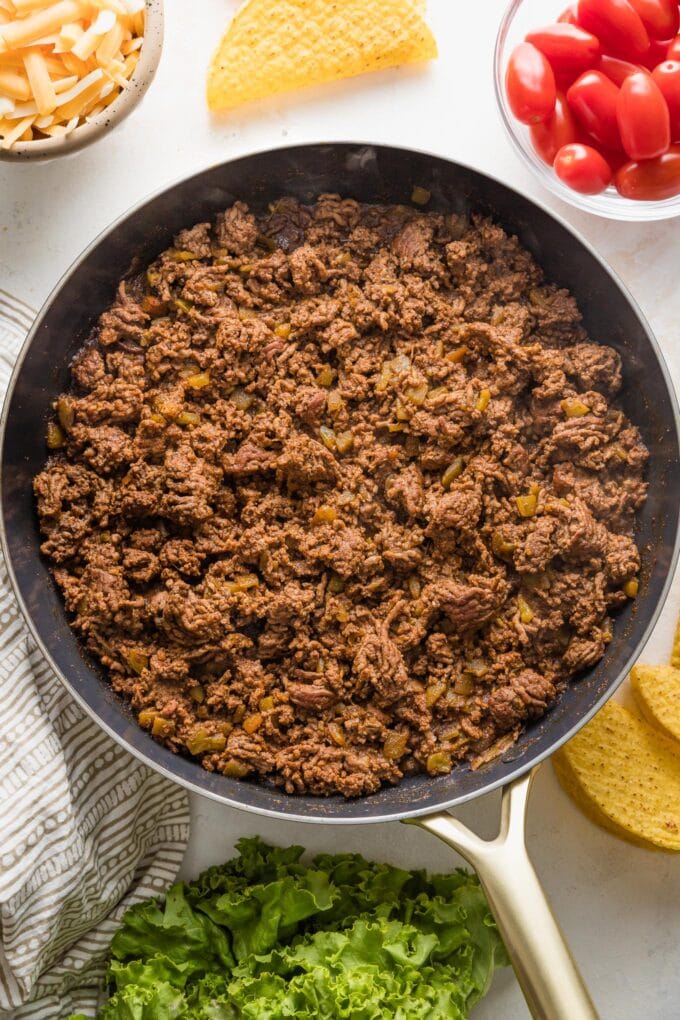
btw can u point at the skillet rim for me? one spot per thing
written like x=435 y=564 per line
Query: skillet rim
x=447 y=802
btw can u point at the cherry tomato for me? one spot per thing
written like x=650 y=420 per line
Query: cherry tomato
x=593 y=99
x=559 y=129
x=569 y=16
x=615 y=157
x=617 y=25
x=673 y=51
x=660 y=17
x=582 y=168
x=643 y=117
x=570 y=49
x=652 y=180
x=667 y=77
x=616 y=70
x=658 y=48
x=530 y=84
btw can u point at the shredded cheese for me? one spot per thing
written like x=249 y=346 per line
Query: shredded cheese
x=15 y=130
x=13 y=85
x=24 y=31
x=63 y=62
x=40 y=81
x=91 y=39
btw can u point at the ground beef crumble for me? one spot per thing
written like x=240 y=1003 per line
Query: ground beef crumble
x=340 y=494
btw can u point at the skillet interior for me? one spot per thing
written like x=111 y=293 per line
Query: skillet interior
x=373 y=174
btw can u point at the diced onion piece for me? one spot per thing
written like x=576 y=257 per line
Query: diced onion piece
x=420 y=196
x=40 y=82
x=526 y=505
x=526 y=613
x=483 y=400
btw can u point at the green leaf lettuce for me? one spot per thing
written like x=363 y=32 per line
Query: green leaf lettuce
x=265 y=937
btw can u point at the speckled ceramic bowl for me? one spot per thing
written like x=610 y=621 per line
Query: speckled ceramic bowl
x=141 y=78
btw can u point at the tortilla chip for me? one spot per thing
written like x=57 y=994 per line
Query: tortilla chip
x=570 y=785
x=657 y=695
x=275 y=46
x=626 y=776
x=675 y=654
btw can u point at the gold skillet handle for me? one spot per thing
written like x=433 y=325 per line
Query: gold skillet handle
x=545 y=968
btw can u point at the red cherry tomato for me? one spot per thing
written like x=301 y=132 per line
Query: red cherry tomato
x=615 y=157
x=582 y=168
x=593 y=100
x=559 y=129
x=569 y=49
x=658 y=48
x=616 y=70
x=667 y=77
x=652 y=180
x=673 y=51
x=617 y=25
x=643 y=117
x=660 y=17
x=569 y=16
x=530 y=84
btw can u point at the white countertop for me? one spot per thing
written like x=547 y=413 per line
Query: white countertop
x=619 y=905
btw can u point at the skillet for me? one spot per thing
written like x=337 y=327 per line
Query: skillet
x=370 y=173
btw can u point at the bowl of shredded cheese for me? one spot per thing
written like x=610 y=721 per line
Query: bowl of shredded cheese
x=70 y=70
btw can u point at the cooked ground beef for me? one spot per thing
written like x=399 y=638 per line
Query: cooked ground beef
x=340 y=493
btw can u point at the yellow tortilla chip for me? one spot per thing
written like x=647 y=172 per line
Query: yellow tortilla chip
x=626 y=776
x=275 y=46
x=675 y=654
x=570 y=785
x=657 y=695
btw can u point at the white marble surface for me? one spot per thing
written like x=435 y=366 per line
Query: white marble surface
x=619 y=906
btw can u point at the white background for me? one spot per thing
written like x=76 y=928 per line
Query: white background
x=619 y=906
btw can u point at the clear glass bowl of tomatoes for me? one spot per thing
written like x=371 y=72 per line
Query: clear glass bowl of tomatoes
x=599 y=124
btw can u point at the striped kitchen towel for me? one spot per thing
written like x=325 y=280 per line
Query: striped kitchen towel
x=85 y=829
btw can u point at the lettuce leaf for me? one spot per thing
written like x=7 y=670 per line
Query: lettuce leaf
x=266 y=937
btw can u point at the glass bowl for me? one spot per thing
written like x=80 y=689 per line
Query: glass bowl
x=521 y=17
